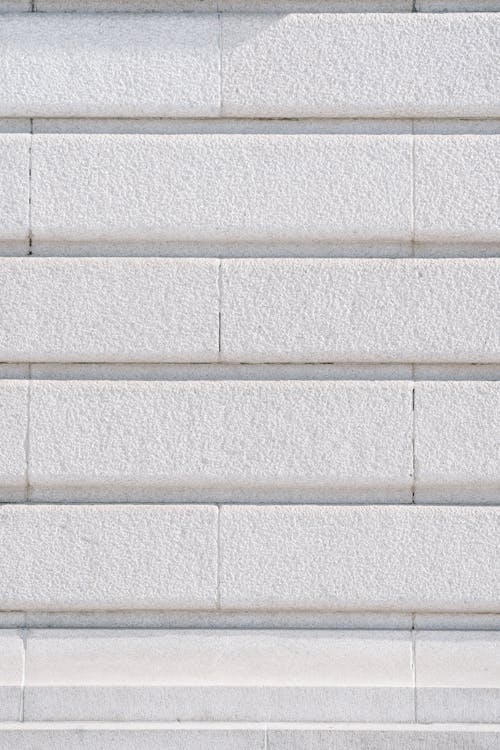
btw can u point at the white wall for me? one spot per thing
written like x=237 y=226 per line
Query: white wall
x=249 y=360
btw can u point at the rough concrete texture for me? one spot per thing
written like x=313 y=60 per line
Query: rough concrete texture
x=80 y=65
x=360 y=310
x=249 y=365
x=14 y=426
x=111 y=557
x=457 y=189
x=14 y=186
x=221 y=187
x=135 y=309
x=221 y=440
x=366 y=558
x=457 y=425
x=373 y=65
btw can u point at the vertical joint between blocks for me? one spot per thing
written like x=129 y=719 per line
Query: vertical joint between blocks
x=30 y=152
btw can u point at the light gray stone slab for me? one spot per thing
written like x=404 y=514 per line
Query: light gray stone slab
x=395 y=558
x=11 y=674
x=372 y=65
x=108 y=557
x=129 y=736
x=353 y=310
x=80 y=65
x=457 y=426
x=14 y=185
x=13 y=434
x=457 y=188
x=221 y=441
x=93 y=310
x=221 y=187
x=411 y=737
x=225 y=675
x=458 y=676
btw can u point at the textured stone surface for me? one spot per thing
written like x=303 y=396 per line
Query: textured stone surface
x=313 y=6
x=108 y=309
x=228 y=675
x=462 y=6
x=366 y=558
x=413 y=737
x=130 y=736
x=128 y=6
x=457 y=187
x=11 y=672
x=221 y=440
x=457 y=425
x=107 y=557
x=13 y=432
x=221 y=187
x=373 y=65
x=14 y=185
x=82 y=65
x=360 y=310
x=458 y=676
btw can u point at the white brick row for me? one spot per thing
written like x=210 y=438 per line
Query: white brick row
x=92 y=310
x=325 y=310
x=248 y=440
x=251 y=675
x=108 y=557
x=221 y=441
x=272 y=558
x=249 y=188
x=82 y=65
x=182 y=736
x=321 y=310
x=149 y=736
x=265 y=188
x=221 y=187
x=373 y=65
x=269 y=65
x=219 y=676
x=387 y=737
x=360 y=558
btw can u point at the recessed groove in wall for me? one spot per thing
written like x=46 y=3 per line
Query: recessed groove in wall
x=97 y=497
x=451 y=6
x=216 y=371
x=284 y=126
x=229 y=494
x=159 y=6
x=9 y=249
x=221 y=372
x=209 y=619
x=253 y=249
x=288 y=6
x=249 y=620
x=15 y=125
